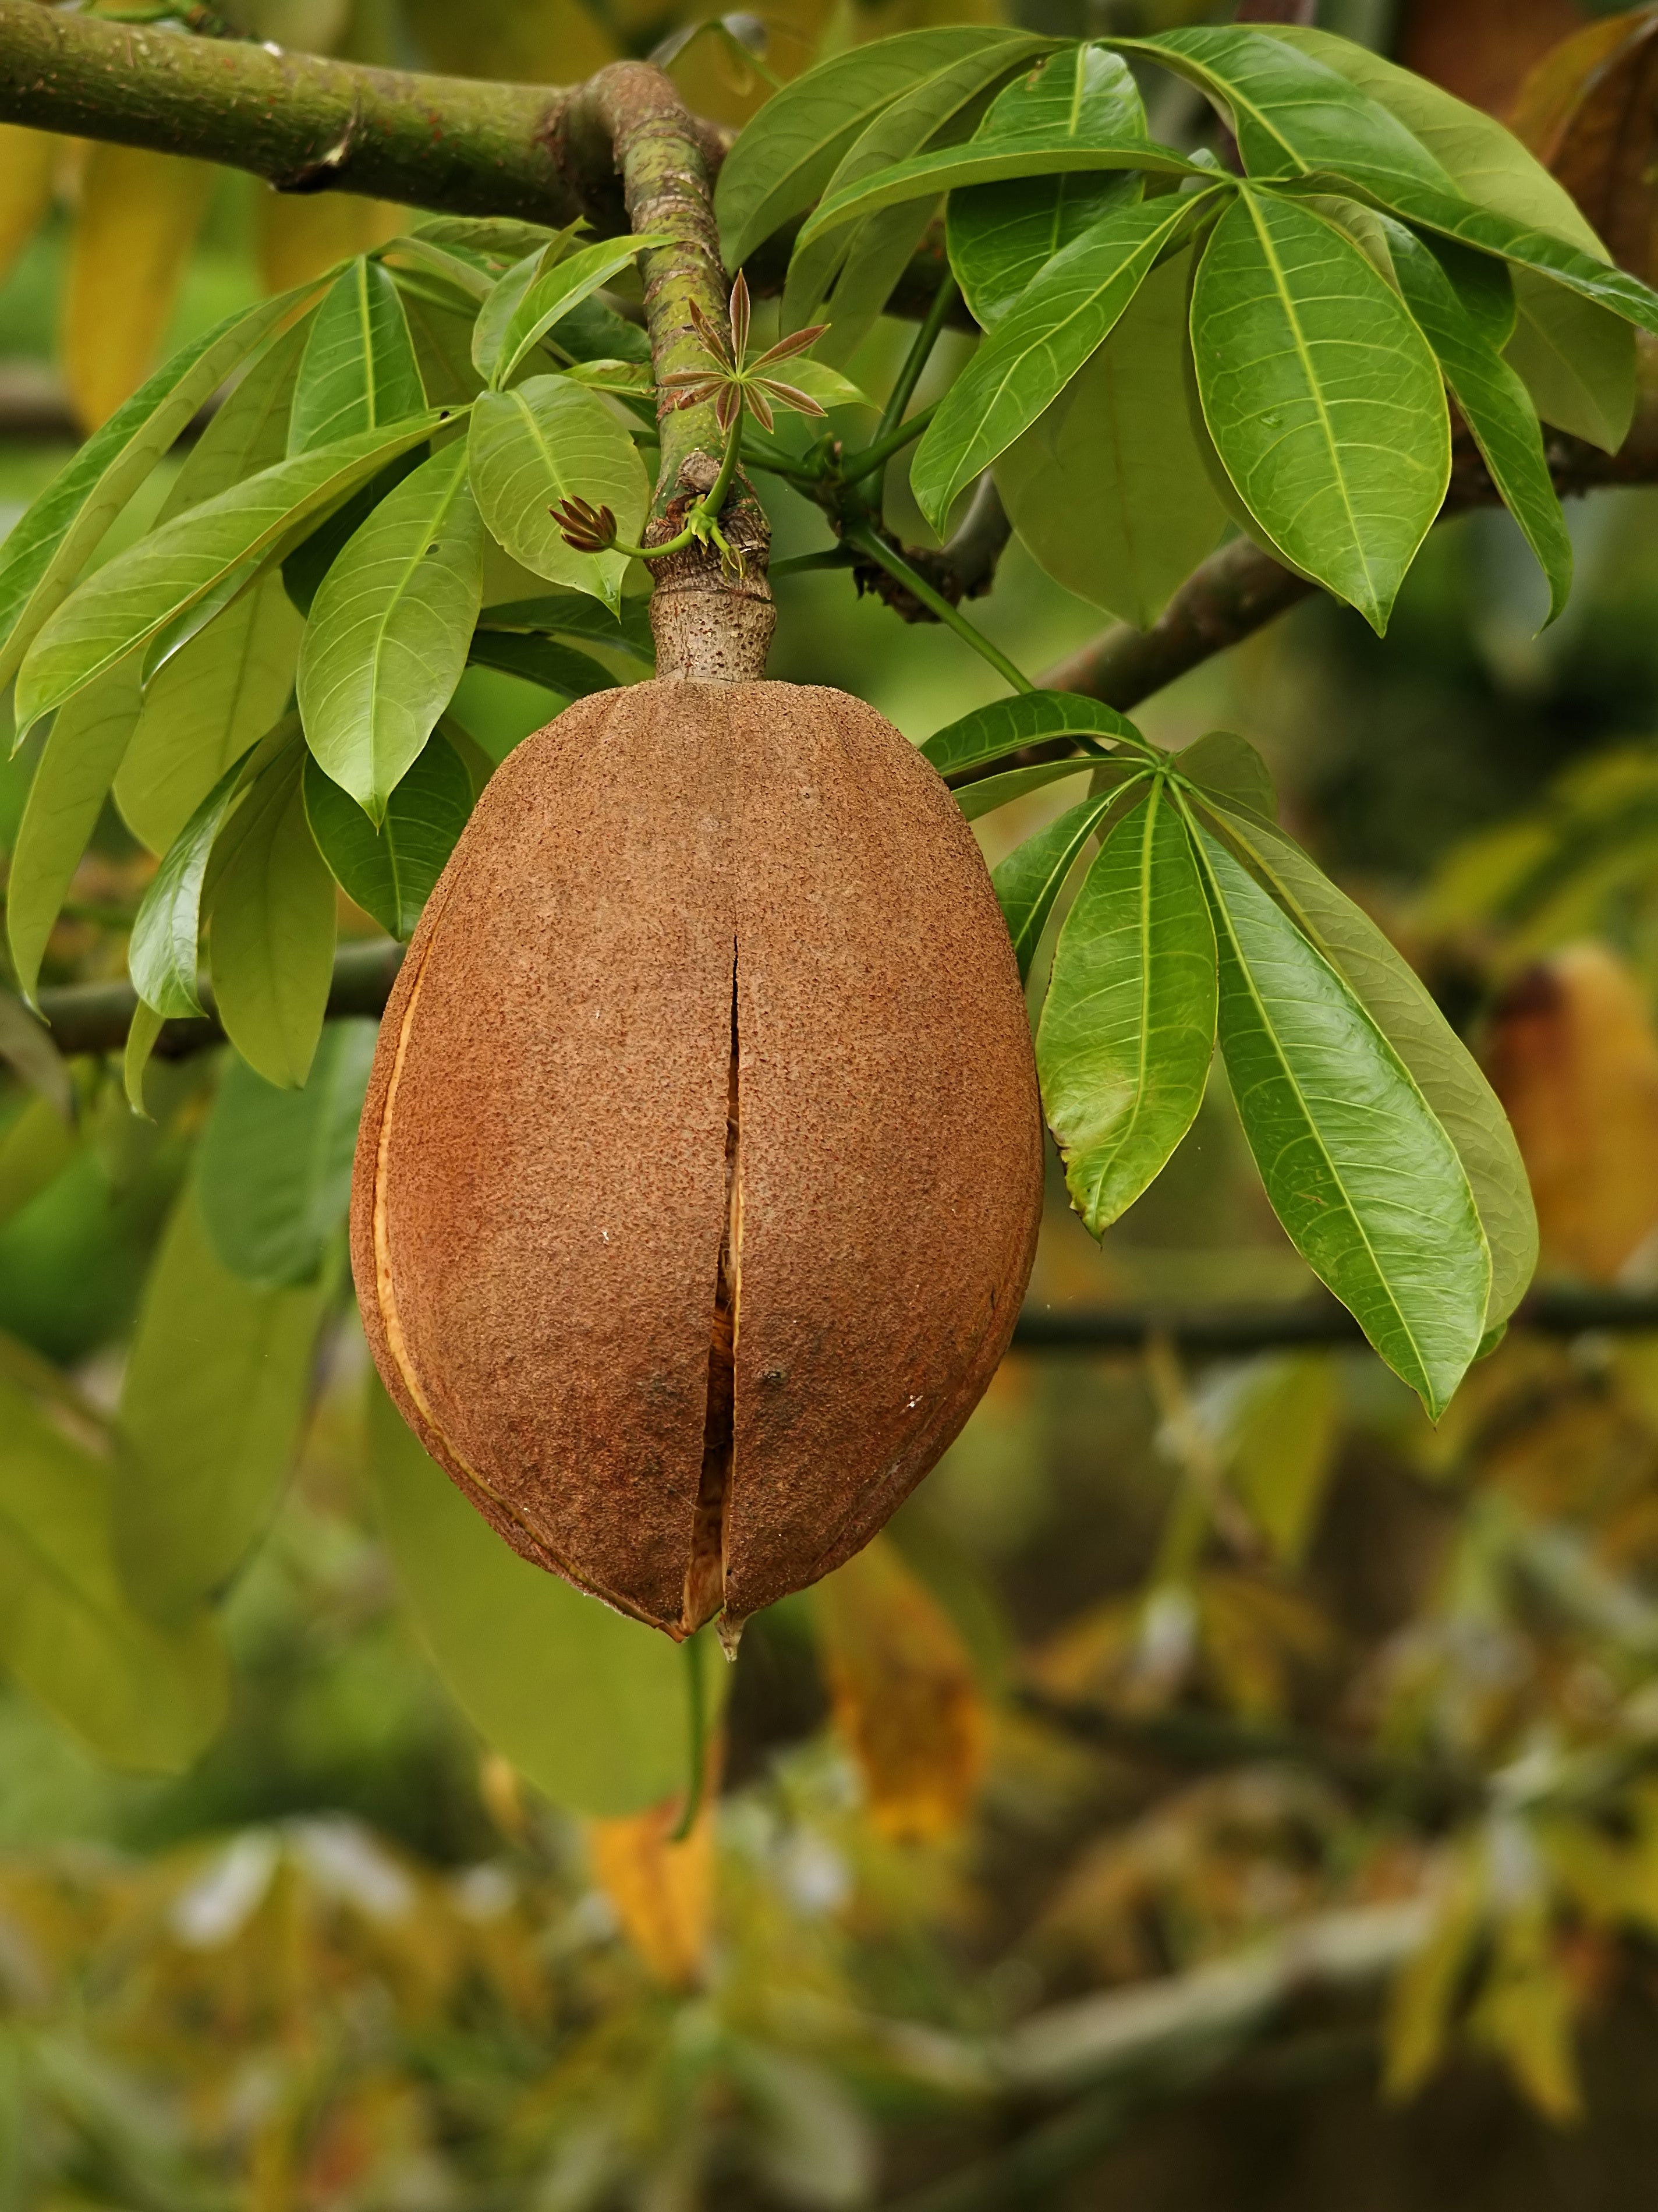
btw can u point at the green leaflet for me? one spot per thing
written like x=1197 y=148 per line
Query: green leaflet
x=140 y=1697
x=207 y=705
x=46 y=549
x=273 y=1169
x=390 y=872
x=1443 y=1069
x=1032 y=875
x=386 y=641
x=83 y=751
x=1033 y=353
x=546 y=441
x=358 y=372
x=546 y=300
x=214 y=1395
x=502 y=237
x=142 y=1034
x=133 y=597
x=1128 y=1026
x=1000 y=236
x=1322 y=397
x=162 y=954
x=625 y=630
x=1576 y=360
x=539 y=660
x=1109 y=490
x=442 y=340
x=1495 y=405
x=984 y=797
x=1008 y=725
x=877 y=252
x=311 y=559
x=271 y=947
x=248 y=432
x=1358 y=1170
x=784 y=158
x=590 y=1706
x=1228 y=767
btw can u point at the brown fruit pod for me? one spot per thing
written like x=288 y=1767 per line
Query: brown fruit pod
x=700 y=1167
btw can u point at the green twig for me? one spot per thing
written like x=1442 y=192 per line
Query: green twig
x=880 y=451
x=876 y=548
x=915 y=360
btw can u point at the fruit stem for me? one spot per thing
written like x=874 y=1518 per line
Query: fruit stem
x=867 y=542
x=696 y=1714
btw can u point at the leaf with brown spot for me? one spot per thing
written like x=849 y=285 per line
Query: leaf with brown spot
x=1574 y=1058
x=662 y=1890
x=904 y=1695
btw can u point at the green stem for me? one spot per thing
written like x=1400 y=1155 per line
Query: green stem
x=880 y=451
x=696 y=1708
x=915 y=360
x=705 y=515
x=935 y=602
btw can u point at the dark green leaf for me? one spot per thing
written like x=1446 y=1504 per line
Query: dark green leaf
x=1323 y=399
x=539 y=660
x=1036 y=348
x=990 y=791
x=358 y=372
x=386 y=641
x=273 y=1171
x=1128 y=1026
x=212 y=1403
x=1357 y=1167
x=304 y=568
x=390 y=872
x=1032 y=875
x=1033 y=718
x=546 y=441
x=572 y=614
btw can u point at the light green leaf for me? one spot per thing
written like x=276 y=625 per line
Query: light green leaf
x=552 y=294
x=205 y=707
x=589 y=1706
x=212 y=1403
x=543 y=442
x=142 y=1033
x=1109 y=490
x=1357 y=1167
x=1007 y=725
x=83 y=751
x=976 y=800
x=1443 y=1070
x=1065 y=315
x=47 y=548
x=501 y=237
x=1128 y=1028
x=784 y=158
x=1281 y=1427
x=1031 y=878
x=390 y=872
x=1578 y=361
x=358 y=372
x=1230 y=768
x=248 y=432
x=36 y=1145
x=877 y=254
x=1000 y=236
x=823 y=383
x=1323 y=399
x=273 y=1169
x=1495 y=405
x=271 y=947
x=140 y=1697
x=133 y=597
x=386 y=641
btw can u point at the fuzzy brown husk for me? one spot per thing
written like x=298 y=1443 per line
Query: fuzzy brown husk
x=711 y=1032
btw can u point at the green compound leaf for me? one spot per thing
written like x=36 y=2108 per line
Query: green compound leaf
x=273 y=1171
x=1495 y=405
x=1036 y=348
x=1356 y=1165
x=1007 y=725
x=358 y=372
x=1109 y=489
x=786 y=156
x=213 y=1402
x=551 y=295
x=1229 y=767
x=46 y=549
x=390 y=872
x=1128 y=1027
x=1444 y=1071
x=977 y=800
x=999 y=237
x=386 y=642
x=592 y=1707
x=1322 y=397
x=546 y=441
x=271 y=908
x=1031 y=878
x=133 y=598
x=83 y=750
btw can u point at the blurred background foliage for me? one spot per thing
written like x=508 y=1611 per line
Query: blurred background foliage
x=1217 y=1789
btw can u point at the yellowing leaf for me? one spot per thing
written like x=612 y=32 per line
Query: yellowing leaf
x=1525 y=2014
x=663 y=1891
x=1423 y=1998
x=904 y=1695
x=1574 y=1059
x=27 y=160
x=300 y=236
x=138 y=218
